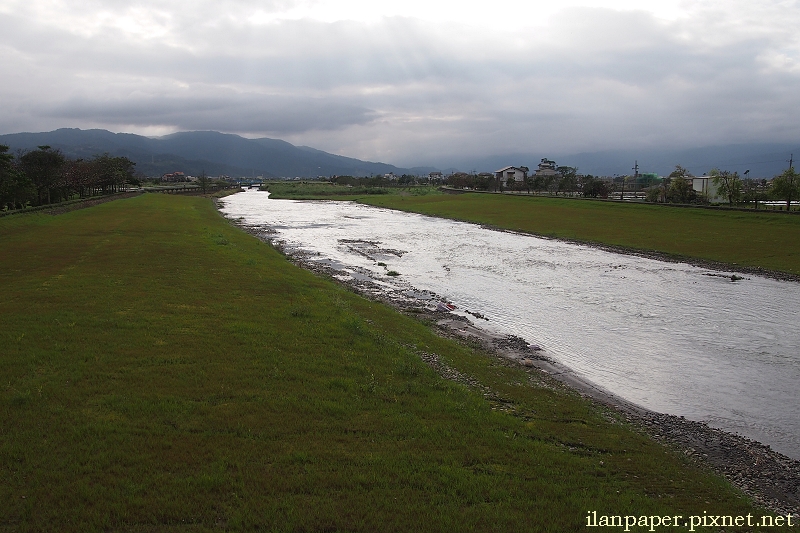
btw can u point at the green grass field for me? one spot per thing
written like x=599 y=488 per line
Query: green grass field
x=320 y=190
x=162 y=370
x=753 y=239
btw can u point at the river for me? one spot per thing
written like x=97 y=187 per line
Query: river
x=671 y=337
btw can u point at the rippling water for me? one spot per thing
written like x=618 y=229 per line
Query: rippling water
x=671 y=337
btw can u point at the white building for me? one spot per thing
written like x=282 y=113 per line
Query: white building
x=705 y=185
x=547 y=168
x=515 y=173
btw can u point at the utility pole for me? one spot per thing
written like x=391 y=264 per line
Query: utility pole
x=635 y=177
x=791 y=160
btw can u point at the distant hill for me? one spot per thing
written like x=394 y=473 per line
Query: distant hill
x=221 y=153
x=763 y=160
x=192 y=152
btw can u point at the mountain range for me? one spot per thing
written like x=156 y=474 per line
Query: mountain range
x=195 y=151
x=221 y=153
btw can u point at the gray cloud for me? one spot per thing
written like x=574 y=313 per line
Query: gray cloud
x=248 y=113
x=404 y=90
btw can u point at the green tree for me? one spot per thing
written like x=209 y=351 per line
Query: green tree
x=568 y=179
x=79 y=176
x=8 y=176
x=406 y=180
x=753 y=191
x=112 y=173
x=786 y=187
x=728 y=184
x=15 y=188
x=43 y=167
x=204 y=181
x=680 y=187
x=530 y=182
x=593 y=187
x=653 y=194
x=537 y=183
x=551 y=183
x=345 y=180
x=567 y=172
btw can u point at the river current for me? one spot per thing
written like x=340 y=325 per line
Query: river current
x=671 y=337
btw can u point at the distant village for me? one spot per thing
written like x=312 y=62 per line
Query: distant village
x=680 y=186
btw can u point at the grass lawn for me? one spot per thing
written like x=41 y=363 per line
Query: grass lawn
x=162 y=370
x=754 y=239
x=321 y=190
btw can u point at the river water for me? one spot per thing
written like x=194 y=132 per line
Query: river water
x=670 y=337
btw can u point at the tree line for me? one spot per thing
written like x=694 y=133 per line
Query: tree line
x=676 y=188
x=730 y=186
x=565 y=181
x=406 y=180
x=45 y=176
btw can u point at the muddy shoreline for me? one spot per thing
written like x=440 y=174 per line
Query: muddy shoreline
x=769 y=477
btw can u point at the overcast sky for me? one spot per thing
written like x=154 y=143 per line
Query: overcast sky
x=409 y=81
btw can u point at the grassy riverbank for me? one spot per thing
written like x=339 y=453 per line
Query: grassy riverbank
x=162 y=370
x=321 y=190
x=752 y=239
